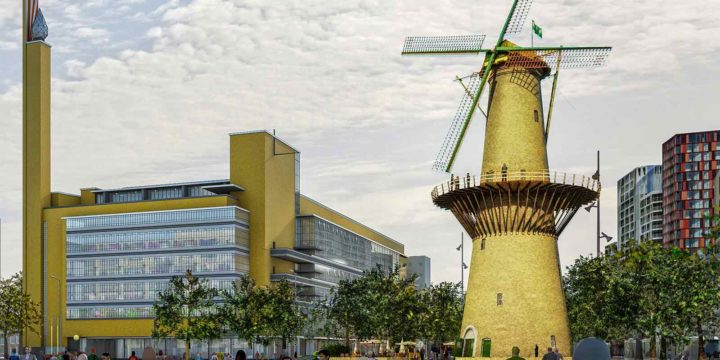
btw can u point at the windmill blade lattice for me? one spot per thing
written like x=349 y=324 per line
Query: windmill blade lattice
x=429 y=45
x=517 y=20
x=462 y=115
x=573 y=58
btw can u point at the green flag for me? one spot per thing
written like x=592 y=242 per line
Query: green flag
x=536 y=29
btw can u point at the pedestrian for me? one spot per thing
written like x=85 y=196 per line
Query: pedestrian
x=66 y=355
x=28 y=354
x=82 y=356
x=93 y=356
x=515 y=354
x=198 y=356
x=323 y=355
x=537 y=349
x=132 y=356
x=257 y=355
x=220 y=356
x=558 y=354
x=14 y=355
x=105 y=356
x=422 y=353
x=550 y=355
x=240 y=355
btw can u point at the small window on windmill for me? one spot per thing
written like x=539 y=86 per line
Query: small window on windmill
x=499 y=299
x=482 y=244
x=537 y=116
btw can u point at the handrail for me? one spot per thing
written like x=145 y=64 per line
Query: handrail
x=467 y=181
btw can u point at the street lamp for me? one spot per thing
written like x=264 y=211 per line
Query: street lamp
x=59 y=343
x=596 y=204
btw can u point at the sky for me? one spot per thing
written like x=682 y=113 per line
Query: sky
x=147 y=91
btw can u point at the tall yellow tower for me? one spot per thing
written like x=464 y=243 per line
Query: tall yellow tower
x=36 y=150
x=516 y=208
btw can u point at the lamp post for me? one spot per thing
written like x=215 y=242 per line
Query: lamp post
x=463 y=266
x=57 y=328
x=596 y=204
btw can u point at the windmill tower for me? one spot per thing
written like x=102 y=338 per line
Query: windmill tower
x=516 y=208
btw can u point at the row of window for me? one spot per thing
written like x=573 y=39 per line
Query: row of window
x=109 y=312
x=154 y=239
x=338 y=244
x=174 y=192
x=156 y=218
x=127 y=290
x=158 y=264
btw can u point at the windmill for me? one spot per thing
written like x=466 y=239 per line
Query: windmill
x=516 y=208
x=504 y=54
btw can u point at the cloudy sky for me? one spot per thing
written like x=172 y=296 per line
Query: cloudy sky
x=146 y=91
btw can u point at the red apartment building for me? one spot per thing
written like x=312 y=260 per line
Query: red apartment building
x=690 y=162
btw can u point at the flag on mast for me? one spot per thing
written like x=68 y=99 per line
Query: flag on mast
x=31 y=11
x=536 y=29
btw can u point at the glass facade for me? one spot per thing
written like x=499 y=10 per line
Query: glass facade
x=117 y=264
x=690 y=163
x=639 y=195
x=319 y=237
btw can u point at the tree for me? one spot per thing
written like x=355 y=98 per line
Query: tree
x=346 y=309
x=240 y=309
x=442 y=318
x=186 y=310
x=393 y=304
x=601 y=300
x=261 y=313
x=17 y=310
x=279 y=314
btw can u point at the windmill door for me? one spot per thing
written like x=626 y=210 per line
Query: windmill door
x=486 y=347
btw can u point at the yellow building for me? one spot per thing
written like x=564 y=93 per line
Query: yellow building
x=96 y=260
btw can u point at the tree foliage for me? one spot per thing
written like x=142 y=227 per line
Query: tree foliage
x=647 y=291
x=186 y=310
x=442 y=318
x=256 y=313
x=17 y=310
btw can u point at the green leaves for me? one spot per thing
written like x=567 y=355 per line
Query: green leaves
x=17 y=310
x=387 y=306
x=257 y=313
x=646 y=290
x=186 y=310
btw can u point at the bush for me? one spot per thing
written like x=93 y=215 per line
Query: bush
x=337 y=349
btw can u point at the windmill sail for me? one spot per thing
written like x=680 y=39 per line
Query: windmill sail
x=518 y=16
x=462 y=116
x=429 y=45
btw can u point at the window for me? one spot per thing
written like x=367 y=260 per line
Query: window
x=482 y=244
x=499 y=299
x=537 y=117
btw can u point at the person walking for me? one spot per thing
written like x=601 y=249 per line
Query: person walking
x=550 y=355
x=93 y=356
x=323 y=355
x=240 y=355
x=28 y=354
x=14 y=355
x=132 y=356
x=82 y=356
x=515 y=354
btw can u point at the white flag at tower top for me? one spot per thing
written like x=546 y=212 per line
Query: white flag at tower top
x=31 y=10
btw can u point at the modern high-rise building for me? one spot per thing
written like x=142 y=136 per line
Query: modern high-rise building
x=639 y=209
x=420 y=266
x=96 y=261
x=690 y=163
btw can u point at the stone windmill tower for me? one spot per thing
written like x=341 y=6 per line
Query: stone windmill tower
x=516 y=208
